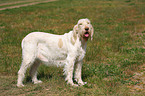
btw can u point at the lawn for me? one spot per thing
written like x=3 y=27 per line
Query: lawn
x=113 y=59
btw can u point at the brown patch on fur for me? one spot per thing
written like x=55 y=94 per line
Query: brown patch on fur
x=60 y=43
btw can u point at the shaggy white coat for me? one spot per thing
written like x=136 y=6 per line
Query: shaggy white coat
x=66 y=50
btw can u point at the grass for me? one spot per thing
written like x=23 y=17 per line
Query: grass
x=116 y=52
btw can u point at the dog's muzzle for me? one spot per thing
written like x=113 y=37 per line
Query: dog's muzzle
x=86 y=34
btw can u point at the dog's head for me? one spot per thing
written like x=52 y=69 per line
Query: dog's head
x=84 y=29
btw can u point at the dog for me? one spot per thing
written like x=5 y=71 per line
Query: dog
x=66 y=50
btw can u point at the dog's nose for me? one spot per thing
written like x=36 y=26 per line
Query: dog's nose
x=86 y=28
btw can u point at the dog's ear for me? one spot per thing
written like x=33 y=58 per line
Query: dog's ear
x=75 y=32
x=92 y=32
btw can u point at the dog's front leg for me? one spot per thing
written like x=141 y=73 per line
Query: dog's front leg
x=77 y=74
x=68 y=71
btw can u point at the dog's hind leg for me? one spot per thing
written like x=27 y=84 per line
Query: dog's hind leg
x=22 y=71
x=29 y=57
x=33 y=72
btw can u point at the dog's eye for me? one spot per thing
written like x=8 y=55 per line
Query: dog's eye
x=80 y=24
x=88 y=23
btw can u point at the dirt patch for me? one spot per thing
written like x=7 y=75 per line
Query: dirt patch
x=140 y=78
x=3 y=4
x=23 y=5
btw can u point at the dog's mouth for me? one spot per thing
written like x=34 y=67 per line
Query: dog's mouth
x=86 y=34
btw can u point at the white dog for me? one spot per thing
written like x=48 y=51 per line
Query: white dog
x=66 y=50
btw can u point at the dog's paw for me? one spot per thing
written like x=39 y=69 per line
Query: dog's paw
x=72 y=84
x=37 y=82
x=20 y=85
x=75 y=85
x=82 y=83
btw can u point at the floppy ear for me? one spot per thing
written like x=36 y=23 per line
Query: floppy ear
x=92 y=32
x=74 y=36
x=75 y=32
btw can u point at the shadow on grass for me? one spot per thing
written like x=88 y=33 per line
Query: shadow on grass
x=40 y=76
x=46 y=73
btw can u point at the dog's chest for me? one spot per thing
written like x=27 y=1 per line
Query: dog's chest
x=80 y=54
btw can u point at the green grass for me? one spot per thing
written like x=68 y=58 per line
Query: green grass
x=116 y=52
